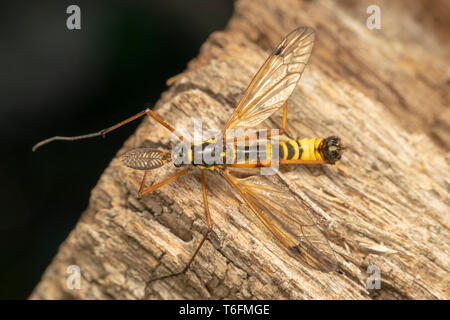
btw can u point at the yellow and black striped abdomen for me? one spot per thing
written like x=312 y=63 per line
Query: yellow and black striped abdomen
x=301 y=149
x=210 y=154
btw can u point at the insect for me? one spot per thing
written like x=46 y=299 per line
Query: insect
x=267 y=93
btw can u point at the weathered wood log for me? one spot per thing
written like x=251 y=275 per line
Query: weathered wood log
x=385 y=204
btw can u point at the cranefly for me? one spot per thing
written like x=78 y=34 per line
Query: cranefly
x=274 y=205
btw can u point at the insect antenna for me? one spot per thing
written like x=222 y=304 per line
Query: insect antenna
x=84 y=136
x=103 y=132
x=89 y=135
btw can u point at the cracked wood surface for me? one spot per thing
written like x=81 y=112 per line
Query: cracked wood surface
x=384 y=92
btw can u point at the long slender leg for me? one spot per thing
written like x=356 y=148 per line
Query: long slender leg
x=103 y=132
x=142 y=182
x=283 y=124
x=159 y=185
x=208 y=222
x=282 y=130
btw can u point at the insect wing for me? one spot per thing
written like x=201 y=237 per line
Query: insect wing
x=279 y=210
x=275 y=80
x=144 y=158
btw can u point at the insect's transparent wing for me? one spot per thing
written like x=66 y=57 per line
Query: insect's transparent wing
x=275 y=81
x=281 y=212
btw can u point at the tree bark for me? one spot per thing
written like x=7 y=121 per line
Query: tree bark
x=384 y=92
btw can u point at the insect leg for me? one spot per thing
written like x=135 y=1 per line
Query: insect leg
x=282 y=130
x=210 y=225
x=148 y=112
x=158 y=185
x=143 y=182
x=103 y=132
x=283 y=124
x=153 y=115
x=208 y=222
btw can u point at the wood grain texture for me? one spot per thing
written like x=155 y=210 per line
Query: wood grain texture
x=384 y=92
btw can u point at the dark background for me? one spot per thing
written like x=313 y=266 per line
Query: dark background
x=56 y=81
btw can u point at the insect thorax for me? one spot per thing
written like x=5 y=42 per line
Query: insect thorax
x=212 y=154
